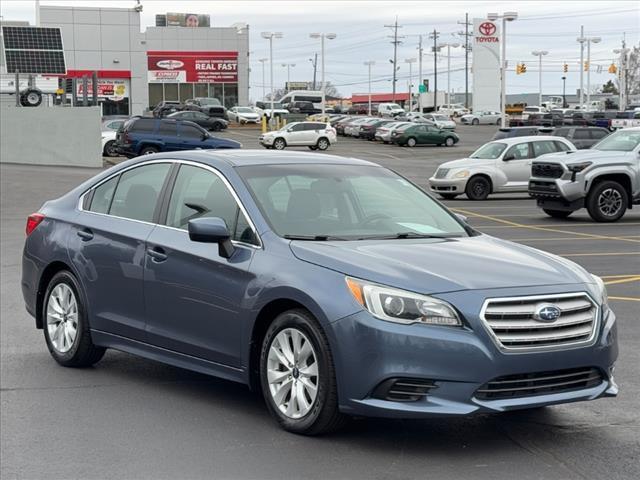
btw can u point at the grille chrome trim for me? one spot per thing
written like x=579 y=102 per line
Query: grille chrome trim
x=510 y=323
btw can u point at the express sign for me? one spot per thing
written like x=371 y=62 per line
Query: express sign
x=192 y=67
x=487 y=33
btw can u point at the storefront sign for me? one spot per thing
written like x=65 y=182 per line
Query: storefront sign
x=192 y=67
x=112 y=89
x=486 y=65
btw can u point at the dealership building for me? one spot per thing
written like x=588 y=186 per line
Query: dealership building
x=136 y=69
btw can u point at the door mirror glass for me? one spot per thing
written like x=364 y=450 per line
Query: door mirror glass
x=211 y=230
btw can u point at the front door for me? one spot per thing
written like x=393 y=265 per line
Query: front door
x=108 y=248
x=194 y=297
x=191 y=138
x=516 y=165
x=296 y=134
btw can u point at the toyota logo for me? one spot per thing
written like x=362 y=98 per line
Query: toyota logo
x=487 y=28
x=546 y=312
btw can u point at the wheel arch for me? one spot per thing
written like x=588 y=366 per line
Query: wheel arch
x=47 y=274
x=620 y=177
x=483 y=175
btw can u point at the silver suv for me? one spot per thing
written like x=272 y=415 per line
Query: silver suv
x=604 y=179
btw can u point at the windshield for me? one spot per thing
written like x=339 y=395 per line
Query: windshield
x=395 y=106
x=621 y=141
x=347 y=202
x=209 y=101
x=489 y=151
x=440 y=117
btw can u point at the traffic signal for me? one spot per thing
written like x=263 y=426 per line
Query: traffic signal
x=517 y=69
x=613 y=68
x=565 y=68
x=586 y=66
x=523 y=68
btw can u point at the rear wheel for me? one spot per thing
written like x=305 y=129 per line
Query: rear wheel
x=475 y=122
x=110 y=149
x=498 y=122
x=322 y=144
x=297 y=375
x=478 y=188
x=279 y=144
x=31 y=98
x=607 y=201
x=66 y=329
x=557 y=213
x=148 y=151
x=216 y=127
x=411 y=142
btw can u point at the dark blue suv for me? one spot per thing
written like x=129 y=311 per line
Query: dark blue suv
x=144 y=136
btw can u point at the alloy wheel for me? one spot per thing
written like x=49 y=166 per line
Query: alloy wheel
x=292 y=373
x=610 y=202
x=62 y=317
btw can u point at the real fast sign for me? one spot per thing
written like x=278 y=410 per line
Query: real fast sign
x=192 y=67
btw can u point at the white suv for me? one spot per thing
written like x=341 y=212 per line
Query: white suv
x=315 y=135
x=501 y=166
x=453 y=110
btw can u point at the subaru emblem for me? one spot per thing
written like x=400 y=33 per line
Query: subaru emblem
x=546 y=312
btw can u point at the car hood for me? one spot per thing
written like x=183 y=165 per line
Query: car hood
x=585 y=155
x=250 y=115
x=468 y=163
x=219 y=142
x=442 y=265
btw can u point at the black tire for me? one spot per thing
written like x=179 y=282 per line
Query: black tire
x=31 y=98
x=148 y=151
x=607 y=201
x=83 y=353
x=557 y=213
x=448 y=196
x=478 y=188
x=322 y=144
x=216 y=127
x=499 y=122
x=411 y=142
x=449 y=142
x=109 y=149
x=279 y=144
x=323 y=416
x=475 y=121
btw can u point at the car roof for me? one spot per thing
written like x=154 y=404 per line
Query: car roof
x=527 y=138
x=241 y=157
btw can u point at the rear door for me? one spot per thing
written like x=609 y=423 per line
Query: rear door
x=109 y=243
x=516 y=164
x=581 y=138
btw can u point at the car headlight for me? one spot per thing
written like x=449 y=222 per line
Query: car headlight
x=578 y=167
x=602 y=290
x=401 y=306
x=461 y=174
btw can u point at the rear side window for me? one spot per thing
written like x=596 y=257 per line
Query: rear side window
x=518 y=152
x=561 y=132
x=561 y=147
x=142 y=125
x=581 y=134
x=102 y=196
x=137 y=192
x=598 y=134
x=543 y=147
x=168 y=128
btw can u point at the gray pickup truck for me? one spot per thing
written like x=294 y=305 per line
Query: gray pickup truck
x=604 y=179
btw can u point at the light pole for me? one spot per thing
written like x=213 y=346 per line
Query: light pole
x=264 y=86
x=506 y=17
x=540 y=54
x=322 y=36
x=270 y=36
x=410 y=61
x=288 y=65
x=581 y=40
x=622 y=77
x=564 y=91
x=449 y=47
x=590 y=40
x=369 y=64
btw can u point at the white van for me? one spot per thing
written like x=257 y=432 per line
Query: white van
x=390 y=109
x=313 y=96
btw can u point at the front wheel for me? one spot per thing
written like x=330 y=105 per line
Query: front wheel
x=449 y=142
x=148 y=151
x=66 y=329
x=216 y=127
x=279 y=144
x=478 y=188
x=607 y=201
x=557 y=213
x=475 y=122
x=297 y=375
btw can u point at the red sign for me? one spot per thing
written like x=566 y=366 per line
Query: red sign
x=193 y=67
x=487 y=28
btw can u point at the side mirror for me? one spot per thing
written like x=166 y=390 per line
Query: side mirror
x=462 y=218
x=205 y=136
x=511 y=156
x=211 y=230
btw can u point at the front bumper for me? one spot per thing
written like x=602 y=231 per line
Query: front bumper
x=458 y=361
x=447 y=185
x=567 y=192
x=266 y=141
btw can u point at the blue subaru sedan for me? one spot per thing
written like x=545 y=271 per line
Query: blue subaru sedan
x=332 y=285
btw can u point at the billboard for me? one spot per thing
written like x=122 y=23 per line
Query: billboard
x=187 y=20
x=296 y=86
x=113 y=89
x=192 y=67
x=486 y=65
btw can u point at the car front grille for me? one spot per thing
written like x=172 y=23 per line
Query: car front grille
x=442 y=172
x=515 y=325
x=547 y=170
x=541 y=383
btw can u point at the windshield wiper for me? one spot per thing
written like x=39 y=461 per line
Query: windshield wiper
x=403 y=235
x=317 y=238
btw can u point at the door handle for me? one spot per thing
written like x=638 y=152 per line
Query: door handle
x=157 y=254
x=85 y=234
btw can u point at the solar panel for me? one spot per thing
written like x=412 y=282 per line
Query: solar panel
x=34 y=50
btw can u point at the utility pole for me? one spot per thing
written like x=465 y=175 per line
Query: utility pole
x=315 y=68
x=581 y=40
x=419 y=74
x=434 y=35
x=466 y=34
x=395 y=43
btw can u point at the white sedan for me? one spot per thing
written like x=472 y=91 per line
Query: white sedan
x=481 y=118
x=109 y=143
x=243 y=115
x=439 y=120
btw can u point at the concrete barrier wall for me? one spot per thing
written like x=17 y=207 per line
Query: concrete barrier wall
x=51 y=136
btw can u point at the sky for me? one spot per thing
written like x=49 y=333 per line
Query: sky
x=361 y=36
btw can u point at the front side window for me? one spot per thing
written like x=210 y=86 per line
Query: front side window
x=137 y=192
x=199 y=193
x=190 y=132
x=621 y=141
x=345 y=201
x=518 y=152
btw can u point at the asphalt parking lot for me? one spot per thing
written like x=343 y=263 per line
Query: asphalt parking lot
x=132 y=418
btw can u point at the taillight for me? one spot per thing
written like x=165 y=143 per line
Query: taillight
x=33 y=221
